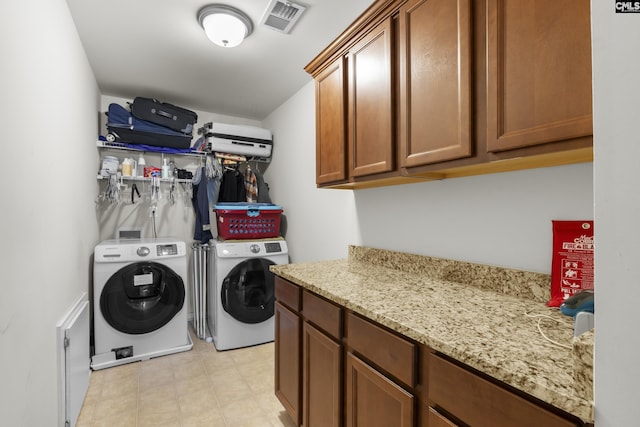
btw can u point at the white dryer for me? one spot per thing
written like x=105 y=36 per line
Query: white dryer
x=139 y=309
x=241 y=291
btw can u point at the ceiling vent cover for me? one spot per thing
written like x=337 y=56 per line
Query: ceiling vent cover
x=281 y=15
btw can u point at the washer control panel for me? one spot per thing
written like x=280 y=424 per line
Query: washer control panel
x=272 y=247
x=167 y=250
x=133 y=250
x=249 y=248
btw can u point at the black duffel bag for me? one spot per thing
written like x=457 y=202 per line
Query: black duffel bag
x=164 y=114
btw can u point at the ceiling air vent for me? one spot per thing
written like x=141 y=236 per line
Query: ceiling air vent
x=281 y=15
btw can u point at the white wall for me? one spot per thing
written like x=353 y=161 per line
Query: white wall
x=500 y=219
x=49 y=119
x=616 y=67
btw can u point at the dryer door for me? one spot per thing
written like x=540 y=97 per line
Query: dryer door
x=142 y=297
x=247 y=292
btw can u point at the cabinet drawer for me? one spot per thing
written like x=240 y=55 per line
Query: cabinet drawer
x=481 y=403
x=390 y=352
x=438 y=420
x=288 y=293
x=322 y=313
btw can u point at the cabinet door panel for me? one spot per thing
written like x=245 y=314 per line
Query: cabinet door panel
x=374 y=400
x=538 y=72
x=371 y=103
x=435 y=81
x=331 y=126
x=287 y=360
x=322 y=379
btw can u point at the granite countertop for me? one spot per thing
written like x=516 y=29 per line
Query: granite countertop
x=486 y=317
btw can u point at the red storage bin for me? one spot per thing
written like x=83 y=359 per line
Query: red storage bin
x=247 y=220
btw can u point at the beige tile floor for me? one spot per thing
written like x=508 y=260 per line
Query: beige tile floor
x=201 y=387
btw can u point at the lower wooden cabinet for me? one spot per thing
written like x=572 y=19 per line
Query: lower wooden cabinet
x=481 y=403
x=337 y=368
x=372 y=399
x=321 y=379
x=391 y=353
x=287 y=360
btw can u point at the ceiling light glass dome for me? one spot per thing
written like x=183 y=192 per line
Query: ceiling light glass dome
x=224 y=25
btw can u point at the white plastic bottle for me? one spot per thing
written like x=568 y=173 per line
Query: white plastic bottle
x=141 y=165
x=166 y=170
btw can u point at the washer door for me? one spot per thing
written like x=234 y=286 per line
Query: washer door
x=247 y=292
x=142 y=297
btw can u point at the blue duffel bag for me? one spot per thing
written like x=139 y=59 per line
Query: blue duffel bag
x=122 y=126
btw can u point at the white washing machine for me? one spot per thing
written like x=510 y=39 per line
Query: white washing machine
x=139 y=301
x=241 y=291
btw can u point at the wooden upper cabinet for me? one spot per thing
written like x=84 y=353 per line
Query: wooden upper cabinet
x=331 y=141
x=436 y=89
x=371 y=108
x=538 y=72
x=435 y=81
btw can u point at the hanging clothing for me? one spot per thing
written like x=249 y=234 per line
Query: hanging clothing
x=263 y=188
x=232 y=187
x=214 y=179
x=200 y=202
x=250 y=185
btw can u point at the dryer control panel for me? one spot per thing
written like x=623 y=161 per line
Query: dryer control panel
x=135 y=250
x=272 y=247
x=167 y=250
x=250 y=248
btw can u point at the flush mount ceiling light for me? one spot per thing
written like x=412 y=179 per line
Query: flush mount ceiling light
x=226 y=26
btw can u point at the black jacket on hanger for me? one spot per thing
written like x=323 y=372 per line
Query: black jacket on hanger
x=232 y=187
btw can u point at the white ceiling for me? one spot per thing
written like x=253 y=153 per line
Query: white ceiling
x=157 y=49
